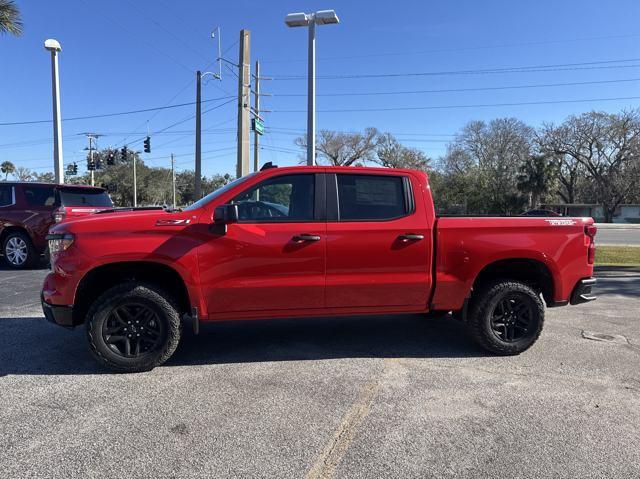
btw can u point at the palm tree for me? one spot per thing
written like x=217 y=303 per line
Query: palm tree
x=7 y=167
x=10 y=18
x=536 y=177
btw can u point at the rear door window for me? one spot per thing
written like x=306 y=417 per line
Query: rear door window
x=85 y=197
x=6 y=195
x=371 y=197
x=40 y=196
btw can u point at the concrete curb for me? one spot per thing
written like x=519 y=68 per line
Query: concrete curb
x=617 y=269
x=618 y=226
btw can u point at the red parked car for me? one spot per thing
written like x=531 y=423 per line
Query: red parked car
x=27 y=210
x=309 y=241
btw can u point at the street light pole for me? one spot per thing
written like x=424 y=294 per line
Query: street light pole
x=310 y=20
x=311 y=97
x=54 y=47
x=198 y=172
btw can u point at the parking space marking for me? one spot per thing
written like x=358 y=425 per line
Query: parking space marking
x=327 y=462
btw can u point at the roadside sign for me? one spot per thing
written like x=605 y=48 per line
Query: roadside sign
x=257 y=126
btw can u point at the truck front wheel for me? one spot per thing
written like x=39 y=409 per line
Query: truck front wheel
x=506 y=317
x=133 y=327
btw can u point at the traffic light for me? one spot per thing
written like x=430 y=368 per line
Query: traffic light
x=147 y=144
x=111 y=159
x=123 y=153
x=98 y=164
x=72 y=169
x=91 y=164
x=75 y=169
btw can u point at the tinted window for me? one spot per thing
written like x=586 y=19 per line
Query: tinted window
x=84 y=197
x=6 y=195
x=214 y=194
x=370 y=197
x=39 y=195
x=283 y=198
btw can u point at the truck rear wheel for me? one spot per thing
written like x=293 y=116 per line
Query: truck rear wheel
x=506 y=317
x=133 y=327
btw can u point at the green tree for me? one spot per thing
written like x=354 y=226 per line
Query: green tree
x=536 y=177
x=10 y=21
x=46 y=177
x=392 y=154
x=607 y=146
x=22 y=173
x=340 y=148
x=486 y=157
x=7 y=168
x=153 y=183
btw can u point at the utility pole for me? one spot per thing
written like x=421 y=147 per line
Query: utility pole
x=54 y=47
x=135 y=181
x=91 y=160
x=173 y=180
x=92 y=137
x=258 y=121
x=198 y=185
x=256 y=109
x=244 y=103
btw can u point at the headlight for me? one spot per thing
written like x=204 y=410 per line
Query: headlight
x=59 y=242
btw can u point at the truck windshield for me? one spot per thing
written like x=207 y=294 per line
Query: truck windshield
x=85 y=197
x=214 y=194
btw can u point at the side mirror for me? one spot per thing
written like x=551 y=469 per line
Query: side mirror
x=225 y=214
x=222 y=216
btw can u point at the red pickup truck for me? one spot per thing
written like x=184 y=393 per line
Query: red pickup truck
x=309 y=241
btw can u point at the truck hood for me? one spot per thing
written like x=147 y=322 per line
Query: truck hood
x=125 y=221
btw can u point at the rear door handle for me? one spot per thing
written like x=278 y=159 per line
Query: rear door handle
x=306 y=237
x=411 y=237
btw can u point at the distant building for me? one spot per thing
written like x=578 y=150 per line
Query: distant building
x=624 y=213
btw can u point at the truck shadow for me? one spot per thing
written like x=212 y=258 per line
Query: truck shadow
x=618 y=283
x=31 y=346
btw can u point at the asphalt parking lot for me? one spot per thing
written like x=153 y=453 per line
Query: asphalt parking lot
x=368 y=397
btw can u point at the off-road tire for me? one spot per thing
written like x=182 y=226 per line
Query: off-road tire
x=483 y=303
x=160 y=302
x=29 y=249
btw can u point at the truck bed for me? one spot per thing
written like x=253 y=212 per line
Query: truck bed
x=464 y=245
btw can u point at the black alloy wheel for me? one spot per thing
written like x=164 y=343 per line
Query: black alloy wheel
x=505 y=316
x=511 y=317
x=133 y=327
x=132 y=330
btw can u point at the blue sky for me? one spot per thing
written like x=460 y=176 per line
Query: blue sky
x=126 y=55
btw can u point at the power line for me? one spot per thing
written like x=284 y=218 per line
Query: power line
x=146 y=15
x=442 y=107
x=602 y=64
x=121 y=113
x=449 y=50
x=141 y=39
x=451 y=90
x=137 y=128
x=182 y=121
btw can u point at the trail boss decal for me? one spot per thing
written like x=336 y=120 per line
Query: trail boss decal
x=561 y=222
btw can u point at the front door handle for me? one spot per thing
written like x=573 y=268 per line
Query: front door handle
x=306 y=237
x=410 y=237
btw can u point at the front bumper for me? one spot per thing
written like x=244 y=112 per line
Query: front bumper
x=60 y=315
x=582 y=291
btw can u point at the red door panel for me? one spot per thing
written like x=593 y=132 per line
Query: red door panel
x=260 y=267
x=370 y=264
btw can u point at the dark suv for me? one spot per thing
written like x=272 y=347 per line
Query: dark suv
x=27 y=210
